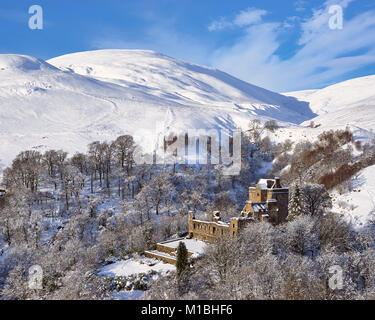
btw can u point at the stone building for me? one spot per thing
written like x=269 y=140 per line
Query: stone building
x=268 y=201
x=210 y=230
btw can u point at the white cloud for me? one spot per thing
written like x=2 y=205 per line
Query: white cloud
x=322 y=56
x=249 y=16
x=220 y=24
x=317 y=24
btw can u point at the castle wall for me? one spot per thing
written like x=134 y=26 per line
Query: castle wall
x=207 y=230
x=210 y=230
x=256 y=194
x=282 y=197
x=155 y=255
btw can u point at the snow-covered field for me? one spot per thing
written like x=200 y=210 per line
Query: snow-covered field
x=132 y=266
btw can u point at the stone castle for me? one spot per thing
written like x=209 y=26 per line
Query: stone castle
x=268 y=201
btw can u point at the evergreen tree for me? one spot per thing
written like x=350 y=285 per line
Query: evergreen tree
x=295 y=206
x=182 y=263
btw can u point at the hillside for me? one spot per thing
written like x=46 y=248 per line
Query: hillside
x=350 y=102
x=72 y=100
x=357 y=205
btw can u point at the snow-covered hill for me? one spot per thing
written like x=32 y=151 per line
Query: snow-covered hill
x=350 y=102
x=180 y=82
x=75 y=99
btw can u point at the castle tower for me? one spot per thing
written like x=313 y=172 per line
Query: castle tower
x=191 y=224
x=281 y=195
x=268 y=201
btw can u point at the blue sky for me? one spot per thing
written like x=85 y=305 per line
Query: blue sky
x=280 y=45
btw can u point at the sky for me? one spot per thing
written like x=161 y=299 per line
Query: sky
x=283 y=45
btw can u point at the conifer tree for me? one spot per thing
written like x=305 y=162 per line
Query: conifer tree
x=295 y=206
x=182 y=259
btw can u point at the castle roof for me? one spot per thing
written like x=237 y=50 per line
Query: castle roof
x=259 y=206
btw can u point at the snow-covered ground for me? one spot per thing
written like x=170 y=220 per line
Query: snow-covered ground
x=350 y=102
x=356 y=205
x=192 y=245
x=128 y=295
x=350 y=93
x=132 y=266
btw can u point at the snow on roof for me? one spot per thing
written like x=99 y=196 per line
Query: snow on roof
x=222 y=223
x=263 y=184
x=192 y=245
x=259 y=207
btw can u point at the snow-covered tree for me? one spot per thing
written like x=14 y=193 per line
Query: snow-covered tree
x=295 y=206
x=316 y=199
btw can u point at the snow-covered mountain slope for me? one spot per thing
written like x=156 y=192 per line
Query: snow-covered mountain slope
x=178 y=81
x=357 y=205
x=102 y=94
x=350 y=102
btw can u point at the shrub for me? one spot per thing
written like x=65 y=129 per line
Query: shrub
x=343 y=173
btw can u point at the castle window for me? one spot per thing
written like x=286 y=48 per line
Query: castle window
x=213 y=230
x=194 y=226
